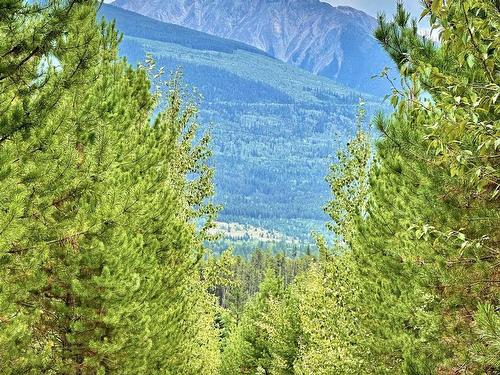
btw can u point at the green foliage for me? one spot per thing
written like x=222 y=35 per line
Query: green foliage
x=487 y=349
x=105 y=210
x=443 y=151
x=98 y=246
x=327 y=299
x=411 y=284
x=426 y=249
x=348 y=181
x=251 y=347
x=235 y=279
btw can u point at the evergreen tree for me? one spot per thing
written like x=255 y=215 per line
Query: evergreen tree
x=425 y=252
x=99 y=243
x=438 y=159
x=248 y=350
x=410 y=285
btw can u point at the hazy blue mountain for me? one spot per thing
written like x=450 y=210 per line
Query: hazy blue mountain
x=336 y=42
x=275 y=126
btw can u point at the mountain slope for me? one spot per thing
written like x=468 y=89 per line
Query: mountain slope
x=275 y=128
x=336 y=42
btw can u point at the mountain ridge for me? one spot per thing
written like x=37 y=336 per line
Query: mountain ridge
x=153 y=29
x=335 y=42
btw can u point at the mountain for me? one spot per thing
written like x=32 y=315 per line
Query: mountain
x=275 y=126
x=335 y=42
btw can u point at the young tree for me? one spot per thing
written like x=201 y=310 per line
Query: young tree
x=421 y=240
x=99 y=243
x=443 y=151
x=248 y=350
x=328 y=301
x=348 y=181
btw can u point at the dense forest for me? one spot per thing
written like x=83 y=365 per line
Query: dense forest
x=106 y=207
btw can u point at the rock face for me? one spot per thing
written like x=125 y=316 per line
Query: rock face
x=336 y=42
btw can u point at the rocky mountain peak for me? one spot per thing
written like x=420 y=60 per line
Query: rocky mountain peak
x=336 y=42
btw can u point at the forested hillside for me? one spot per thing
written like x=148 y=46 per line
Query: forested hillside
x=335 y=42
x=275 y=127
x=107 y=203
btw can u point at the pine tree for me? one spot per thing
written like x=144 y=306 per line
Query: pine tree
x=248 y=350
x=442 y=154
x=99 y=245
x=413 y=288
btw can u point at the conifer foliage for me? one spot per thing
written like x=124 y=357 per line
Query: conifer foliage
x=411 y=285
x=99 y=206
x=105 y=209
